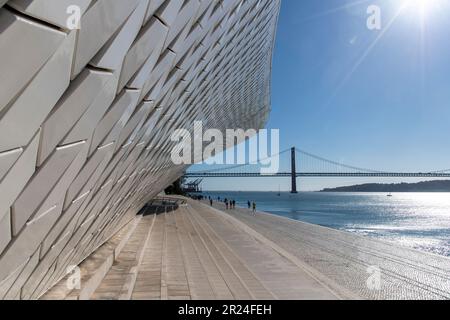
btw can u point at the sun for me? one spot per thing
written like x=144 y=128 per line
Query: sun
x=423 y=7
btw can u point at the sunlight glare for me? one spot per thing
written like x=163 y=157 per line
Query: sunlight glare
x=423 y=7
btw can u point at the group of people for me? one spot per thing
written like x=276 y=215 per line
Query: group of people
x=252 y=205
x=231 y=204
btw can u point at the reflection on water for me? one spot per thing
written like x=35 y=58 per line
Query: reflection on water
x=416 y=220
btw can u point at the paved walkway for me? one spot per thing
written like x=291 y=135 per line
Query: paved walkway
x=198 y=253
x=350 y=260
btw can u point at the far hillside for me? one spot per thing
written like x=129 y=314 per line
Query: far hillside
x=425 y=186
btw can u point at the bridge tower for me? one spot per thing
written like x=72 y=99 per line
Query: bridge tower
x=293 y=172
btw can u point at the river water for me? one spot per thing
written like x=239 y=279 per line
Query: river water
x=415 y=220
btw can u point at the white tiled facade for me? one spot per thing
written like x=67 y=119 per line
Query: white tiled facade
x=86 y=115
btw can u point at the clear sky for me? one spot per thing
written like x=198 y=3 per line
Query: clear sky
x=373 y=98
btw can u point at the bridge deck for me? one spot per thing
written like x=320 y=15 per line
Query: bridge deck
x=317 y=174
x=309 y=165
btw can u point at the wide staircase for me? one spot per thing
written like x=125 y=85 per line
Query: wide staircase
x=185 y=249
x=194 y=252
x=173 y=255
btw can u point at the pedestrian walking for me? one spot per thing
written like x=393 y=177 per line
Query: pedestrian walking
x=254 y=207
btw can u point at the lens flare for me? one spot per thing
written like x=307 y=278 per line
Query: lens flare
x=423 y=7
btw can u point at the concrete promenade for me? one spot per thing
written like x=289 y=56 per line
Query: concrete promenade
x=349 y=260
x=195 y=253
x=199 y=252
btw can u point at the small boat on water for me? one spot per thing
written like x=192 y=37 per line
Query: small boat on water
x=389 y=195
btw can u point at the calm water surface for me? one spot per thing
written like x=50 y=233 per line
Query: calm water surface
x=416 y=220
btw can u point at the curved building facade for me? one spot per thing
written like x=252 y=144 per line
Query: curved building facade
x=90 y=93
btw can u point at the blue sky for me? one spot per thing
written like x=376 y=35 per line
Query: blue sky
x=387 y=107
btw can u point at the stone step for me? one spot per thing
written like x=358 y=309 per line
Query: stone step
x=193 y=252
x=237 y=288
x=93 y=269
x=118 y=282
x=208 y=271
x=254 y=285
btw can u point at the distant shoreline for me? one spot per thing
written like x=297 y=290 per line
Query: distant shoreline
x=435 y=186
x=425 y=186
x=323 y=191
x=386 y=191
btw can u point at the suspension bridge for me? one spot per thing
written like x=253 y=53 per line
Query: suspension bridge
x=305 y=164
